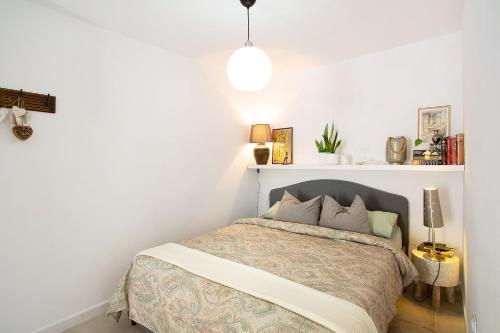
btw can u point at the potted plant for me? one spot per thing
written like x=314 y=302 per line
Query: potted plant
x=328 y=145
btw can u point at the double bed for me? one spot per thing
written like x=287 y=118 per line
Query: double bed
x=351 y=274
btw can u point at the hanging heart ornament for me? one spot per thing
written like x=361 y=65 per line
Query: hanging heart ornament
x=22 y=132
x=20 y=129
x=18 y=111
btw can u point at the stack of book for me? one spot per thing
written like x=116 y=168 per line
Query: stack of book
x=450 y=151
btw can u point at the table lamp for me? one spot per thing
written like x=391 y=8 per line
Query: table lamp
x=260 y=134
x=433 y=218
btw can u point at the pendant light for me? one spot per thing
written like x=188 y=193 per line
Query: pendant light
x=249 y=68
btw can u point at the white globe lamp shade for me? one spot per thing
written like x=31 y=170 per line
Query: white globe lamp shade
x=249 y=69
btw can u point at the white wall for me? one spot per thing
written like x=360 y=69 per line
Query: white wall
x=141 y=151
x=376 y=96
x=482 y=181
x=370 y=98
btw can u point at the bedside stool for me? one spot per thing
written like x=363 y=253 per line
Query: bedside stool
x=449 y=276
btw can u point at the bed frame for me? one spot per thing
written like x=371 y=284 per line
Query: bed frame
x=345 y=192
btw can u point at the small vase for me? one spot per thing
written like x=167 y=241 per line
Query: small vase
x=332 y=159
x=345 y=159
x=395 y=150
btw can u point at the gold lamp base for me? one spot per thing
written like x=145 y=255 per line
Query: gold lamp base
x=261 y=154
x=434 y=256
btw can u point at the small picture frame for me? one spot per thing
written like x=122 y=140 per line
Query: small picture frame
x=283 y=145
x=433 y=120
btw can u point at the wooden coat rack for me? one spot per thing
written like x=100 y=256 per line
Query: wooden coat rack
x=32 y=101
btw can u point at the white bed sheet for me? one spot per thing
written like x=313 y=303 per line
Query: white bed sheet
x=396 y=238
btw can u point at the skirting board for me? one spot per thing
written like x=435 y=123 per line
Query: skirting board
x=75 y=319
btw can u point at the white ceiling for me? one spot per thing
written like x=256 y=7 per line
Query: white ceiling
x=331 y=30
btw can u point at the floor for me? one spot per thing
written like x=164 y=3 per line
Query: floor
x=412 y=317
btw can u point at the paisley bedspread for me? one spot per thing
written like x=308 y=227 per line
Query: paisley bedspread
x=361 y=269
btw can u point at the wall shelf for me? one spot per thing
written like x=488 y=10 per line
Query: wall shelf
x=366 y=167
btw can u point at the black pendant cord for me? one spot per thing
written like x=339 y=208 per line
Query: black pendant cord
x=248 y=24
x=247 y=4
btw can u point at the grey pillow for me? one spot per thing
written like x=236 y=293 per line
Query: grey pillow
x=354 y=218
x=293 y=210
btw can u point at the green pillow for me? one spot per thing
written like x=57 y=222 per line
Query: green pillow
x=271 y=211
x=382 y=223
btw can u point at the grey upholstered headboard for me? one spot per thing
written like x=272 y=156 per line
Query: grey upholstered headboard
x=344 y=192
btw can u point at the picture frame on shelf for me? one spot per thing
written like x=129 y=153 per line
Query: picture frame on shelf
x=432 y=120
x=283 y=146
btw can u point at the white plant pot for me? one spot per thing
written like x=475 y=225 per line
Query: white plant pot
x=332 y=159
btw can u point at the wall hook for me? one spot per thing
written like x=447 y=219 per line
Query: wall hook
x=33 y=101
x=20 y=97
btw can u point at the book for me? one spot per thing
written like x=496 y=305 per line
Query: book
x=444 y=152
x=427 y=162
x=431 y=162
x=452 y=150
x=460 y=149
x=417 y=152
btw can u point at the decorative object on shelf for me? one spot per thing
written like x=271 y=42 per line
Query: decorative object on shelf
x=249 y=68
x=433 y=121
x=283 y=145
x=436 y=138
x=427 y=157
x=433 y=218
x=395 y=150
x=443 y=151
x=327 y=147
x=345 y=159
x=260 y=134
x=361 y=155
x=440 y=151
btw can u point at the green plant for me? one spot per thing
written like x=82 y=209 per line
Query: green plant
x=418 y=142
x=329 y=142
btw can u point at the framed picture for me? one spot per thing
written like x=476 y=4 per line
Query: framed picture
x=283 y=145
x=433 y=120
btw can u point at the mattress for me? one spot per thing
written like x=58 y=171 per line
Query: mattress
x=360 y=269
x=396 y=238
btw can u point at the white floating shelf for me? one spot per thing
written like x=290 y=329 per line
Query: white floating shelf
x=364 y=167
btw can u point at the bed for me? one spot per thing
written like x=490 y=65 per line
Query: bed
x=352 y=270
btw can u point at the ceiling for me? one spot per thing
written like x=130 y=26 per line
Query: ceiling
x=331 y=30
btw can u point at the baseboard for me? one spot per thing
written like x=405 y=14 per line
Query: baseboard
x=75 y=319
